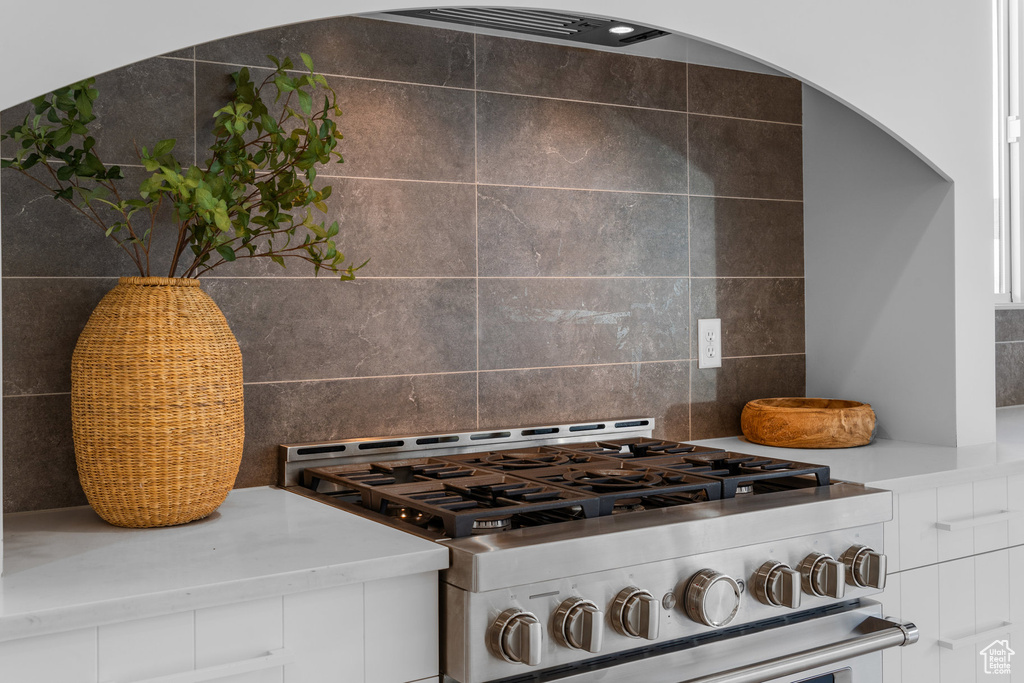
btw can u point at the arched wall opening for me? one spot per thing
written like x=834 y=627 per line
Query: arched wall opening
x=863 y=194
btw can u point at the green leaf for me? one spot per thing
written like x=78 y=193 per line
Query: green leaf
x=306 y=60
x=164 y=147
x=226 y=253
x=305 y=101
x=65 y=172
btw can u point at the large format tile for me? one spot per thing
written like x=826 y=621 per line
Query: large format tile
x=582 y=394
x=735 y=158
x=39 y=454
x=42 y=318
x=1009 y=324
x=1009 y=374
x=301 y=412
x=409 y=229
x=760 y=316
x=298 y=329
x=43 y=236
x=746 y=238
x=139 y=104
x=743 y=94
x=532 y=231
x=547 y=322
x=390 y=130
x=555 y=143
x=528 y=68
x=352 y=46
x=719 y=394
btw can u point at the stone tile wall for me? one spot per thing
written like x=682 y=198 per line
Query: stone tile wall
x=1009 y=357
x=544 y=226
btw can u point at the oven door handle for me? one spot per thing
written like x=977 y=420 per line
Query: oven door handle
x=879 y=634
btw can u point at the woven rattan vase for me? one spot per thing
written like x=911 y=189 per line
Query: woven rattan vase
x=156 y=404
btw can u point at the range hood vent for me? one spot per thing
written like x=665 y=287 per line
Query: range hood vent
x=573 y=27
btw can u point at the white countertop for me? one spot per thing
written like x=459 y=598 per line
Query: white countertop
x=67 y=568
x=904 y=466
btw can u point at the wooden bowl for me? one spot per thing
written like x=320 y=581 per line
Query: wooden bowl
x=808 y=422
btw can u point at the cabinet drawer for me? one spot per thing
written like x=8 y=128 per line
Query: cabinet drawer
x=68 y=657
x=951 y=522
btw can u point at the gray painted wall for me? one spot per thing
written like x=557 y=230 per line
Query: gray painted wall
x=878 y=246
x=544 y=224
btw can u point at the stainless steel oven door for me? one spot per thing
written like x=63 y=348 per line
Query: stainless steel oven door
x=844 y=647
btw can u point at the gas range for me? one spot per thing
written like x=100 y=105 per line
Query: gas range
x=597 y=552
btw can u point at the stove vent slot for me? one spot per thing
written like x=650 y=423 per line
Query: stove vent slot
x=489 y=435
x=585 y=428
x=374 y=445
x=632 y=423
x=430 y=440
x=319 y=450
x=539 y=432
x=573 y=27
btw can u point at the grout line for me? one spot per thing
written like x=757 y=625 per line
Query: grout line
x=476 y=220
x=363 y=278
x=524 y=187
x=689 y=270
x=460 y=372
x=1011 y=341
x=195 y=111
x=508 y=94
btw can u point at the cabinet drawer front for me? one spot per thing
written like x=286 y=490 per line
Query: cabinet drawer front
x=68 y=657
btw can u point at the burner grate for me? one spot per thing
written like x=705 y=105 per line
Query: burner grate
x=640 y=447
x=612 y=481
x=737 y=471
x=461 y=505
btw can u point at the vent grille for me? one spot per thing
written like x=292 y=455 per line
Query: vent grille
x=592 y=30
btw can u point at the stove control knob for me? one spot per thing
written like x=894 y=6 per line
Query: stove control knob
x=777 y=585
x=823 y=576
x=711 y=598
x=864 y=567
x=516 y=636
x=579 y=625
x=636 y=613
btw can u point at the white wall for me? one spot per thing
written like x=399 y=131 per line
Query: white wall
x=918 y=68
x=878 y=226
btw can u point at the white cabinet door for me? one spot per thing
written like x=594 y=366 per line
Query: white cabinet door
x=919 y=589
x=146 y=648
x=68 y=657
x=401 y=628
x=324 y=629
x=240 y=632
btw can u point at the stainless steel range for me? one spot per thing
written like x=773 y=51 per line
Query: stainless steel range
x=594 y=552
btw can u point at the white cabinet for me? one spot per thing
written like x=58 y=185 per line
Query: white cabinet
x=954 y=553
x=379 y=632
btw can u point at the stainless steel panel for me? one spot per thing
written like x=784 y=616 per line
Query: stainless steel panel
x=296 y=457
x=524 y=556
x=827 y=643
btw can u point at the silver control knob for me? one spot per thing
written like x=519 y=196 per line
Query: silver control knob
x=636 y=613
x=579 y=625
x=777 y=585
x=711 y=598
x=864 y=567
x=823 y=576
x=516 y=636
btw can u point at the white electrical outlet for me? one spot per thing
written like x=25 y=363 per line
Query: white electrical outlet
x=709 y=343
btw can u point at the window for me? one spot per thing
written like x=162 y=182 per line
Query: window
x=1006 y=74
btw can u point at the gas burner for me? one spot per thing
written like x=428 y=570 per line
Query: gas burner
x=606 y=479
x=743 y=489
x=517 y=460
x=513 y=461
x=639 y=447
x=489 y=525
x=628 y=505
x=410 y=515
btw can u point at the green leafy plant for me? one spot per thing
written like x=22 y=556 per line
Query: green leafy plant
x=249 y=199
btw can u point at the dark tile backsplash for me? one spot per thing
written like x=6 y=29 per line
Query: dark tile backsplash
x=1009 y=357
x=544 y=225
